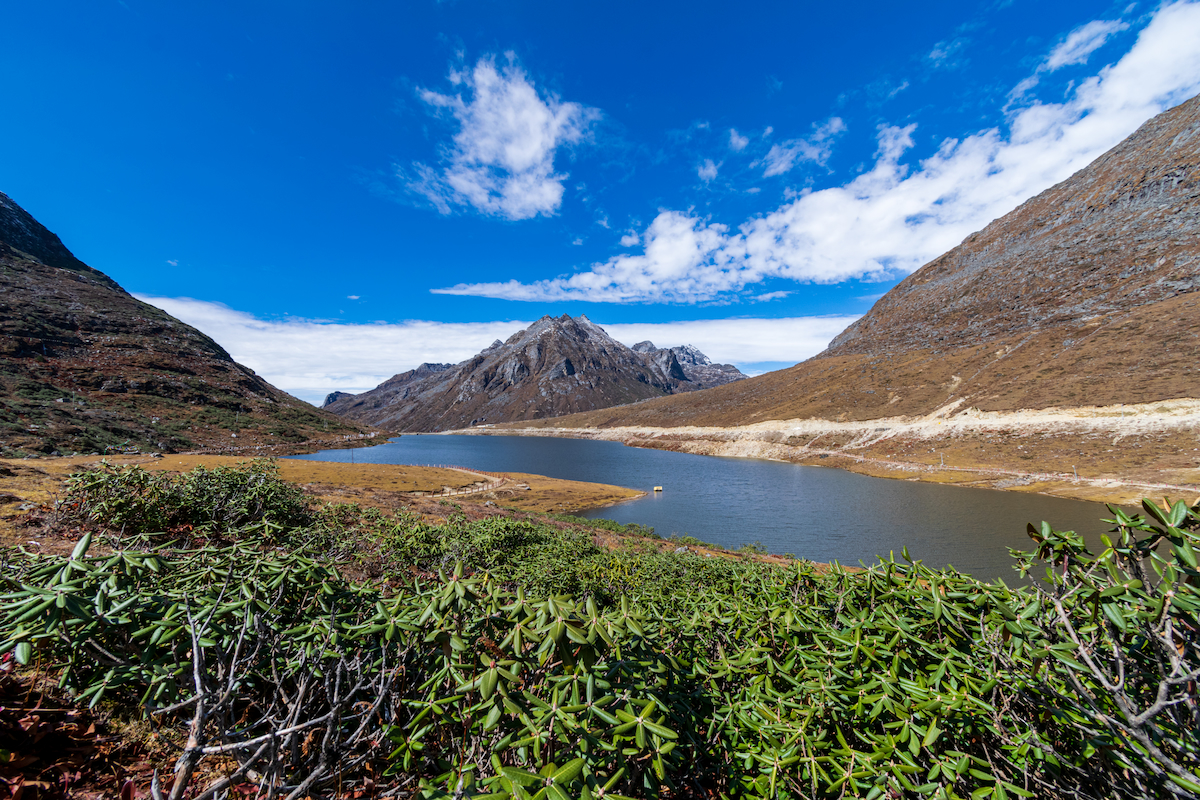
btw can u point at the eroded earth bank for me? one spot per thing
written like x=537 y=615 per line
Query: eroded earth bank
x=1116 y=454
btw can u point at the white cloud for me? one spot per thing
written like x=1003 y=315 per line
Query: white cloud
x=816 y=148
x=740 y=341
x=501 y=161
x=944 y=53
x=737 y=141
x=578 y=241
x=707 y=170
x=896 y=216
x=1074 y=49
x=353 y=297
x=762 y=298
x=174 y=262
x=1081 y=42
x=630 y=239
x=311 y=358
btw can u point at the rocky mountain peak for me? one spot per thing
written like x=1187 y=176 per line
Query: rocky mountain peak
x=558 y=365
x=697 y=368
x=690 y=355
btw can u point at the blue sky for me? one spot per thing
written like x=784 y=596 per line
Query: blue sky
x=339 y=194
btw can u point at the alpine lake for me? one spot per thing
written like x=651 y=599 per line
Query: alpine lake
x=815 y=513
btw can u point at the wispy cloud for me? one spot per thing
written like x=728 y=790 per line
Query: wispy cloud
x=895 y=216
x=707 y=170
x=1074 y=49
x=310 y=358
x=501 y=161
x=816 y=148
x=737 y=141
x=1082 y=42
x=947 y=53
x=741 y=341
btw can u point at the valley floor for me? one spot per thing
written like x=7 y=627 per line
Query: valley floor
x=1116 y=454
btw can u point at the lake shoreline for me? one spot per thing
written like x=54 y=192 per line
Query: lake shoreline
x=1111 y=454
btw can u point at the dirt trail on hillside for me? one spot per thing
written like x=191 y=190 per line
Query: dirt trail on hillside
x=1117 y=453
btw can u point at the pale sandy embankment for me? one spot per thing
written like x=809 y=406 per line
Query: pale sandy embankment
x=1108 y=453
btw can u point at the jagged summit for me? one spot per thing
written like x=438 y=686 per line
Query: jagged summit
x=700 y=371
x=558 y=365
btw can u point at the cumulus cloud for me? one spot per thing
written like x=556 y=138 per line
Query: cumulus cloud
x=737 y=141
x=311 y=358
x=896 y=216
x=501 y=161
x=816 y=148
x=683 y=259
x=707 y=170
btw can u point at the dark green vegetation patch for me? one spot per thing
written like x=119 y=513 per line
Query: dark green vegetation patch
x=508 y=659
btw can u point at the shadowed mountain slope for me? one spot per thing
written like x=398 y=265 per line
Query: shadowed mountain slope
x=1084 y=295
x=556 y=366
x=85 y=367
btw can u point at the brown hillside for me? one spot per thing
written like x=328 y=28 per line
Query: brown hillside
x=85 y=367
x=1084 y=295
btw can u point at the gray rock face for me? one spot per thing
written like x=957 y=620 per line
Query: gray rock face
x=698 y=370
x=1118 y=234
x=556 y=366
x=19 y=230
x=333 y=397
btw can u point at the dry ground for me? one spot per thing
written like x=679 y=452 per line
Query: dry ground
x=29 y=484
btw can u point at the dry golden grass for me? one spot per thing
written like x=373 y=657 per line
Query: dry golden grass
x=27 y=483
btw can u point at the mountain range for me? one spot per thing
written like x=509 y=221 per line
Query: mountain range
x=555 y=366
x=85 y=367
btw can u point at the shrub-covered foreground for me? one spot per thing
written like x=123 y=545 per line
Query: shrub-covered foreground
x=663 y=674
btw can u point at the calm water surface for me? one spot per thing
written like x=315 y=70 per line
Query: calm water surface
x=812 y=512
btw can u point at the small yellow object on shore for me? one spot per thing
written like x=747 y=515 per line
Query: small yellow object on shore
x=658 y=488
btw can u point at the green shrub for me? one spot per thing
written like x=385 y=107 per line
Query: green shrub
x=135 y=500
x=563 y=669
